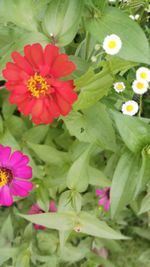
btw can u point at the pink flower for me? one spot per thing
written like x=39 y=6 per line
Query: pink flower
x=14 y=175
x=35 y=209
x=104 y=197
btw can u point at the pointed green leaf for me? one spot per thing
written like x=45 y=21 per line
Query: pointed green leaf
x=144 y=173
x=124 y=182
x=78 y=178
x=134 y=132
x=90 y=225
x=48 y=154
x=59 y=220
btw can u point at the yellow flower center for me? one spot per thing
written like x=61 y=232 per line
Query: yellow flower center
x=140 y=85
x=112 y=44
x=129 y=108
x=143 y=75
x=119 y=86
x=5 y=176
x=37 y=85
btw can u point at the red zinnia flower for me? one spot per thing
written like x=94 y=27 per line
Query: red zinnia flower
x=35 y=85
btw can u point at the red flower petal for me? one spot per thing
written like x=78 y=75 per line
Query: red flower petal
x=26 y=106
x=27 y=52
x=37 y=108
x=62 y=67
x=52 y=107
x=67 y=93
x=46 y=117
x=22 y=63
x=64 y=106
x=50 y=54
x=12 y=75
x=37 y=55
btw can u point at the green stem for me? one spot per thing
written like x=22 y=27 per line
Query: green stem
x=140 y=106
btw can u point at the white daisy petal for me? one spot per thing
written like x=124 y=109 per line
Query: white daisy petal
x=130 y=108
x=143 y=74
x=119 y=87
x=140 y=87
x=112 y=44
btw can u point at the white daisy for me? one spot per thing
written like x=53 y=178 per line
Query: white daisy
x=119 y=87
x=130 y=108
x=143 y=74
x=112 y=44
x=140 y=87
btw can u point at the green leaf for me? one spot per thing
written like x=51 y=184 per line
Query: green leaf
x=16 y=126
x=36 y=134
x=144 y=173
x=134 y=132
x=47 y=242
x=6 y=253
x=19 y=12
x=93 y=87
x=114 y=21
x=7 y=108
x=7 y=230
x=145 y=205
x=78 y=178
x=90 y=225
x=124 y=182
x=70 y=201
x=42 y=196
x=59 y=220
x=97 y=177
x=93 y=125
x=62 y=20
x=49 y=154
x=85 y=223
x=7 y=139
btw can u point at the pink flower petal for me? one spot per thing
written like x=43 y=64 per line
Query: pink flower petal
x=23 y=172
x=39 y=227
x=35 y=209
x=5 y=196
x=23 y=161
x=52 y=206
x=4 y=156
x=20 y=188
x=102 y=201
x=23 y=184
x=107 y=205
x=15 y=158
x=100 y=192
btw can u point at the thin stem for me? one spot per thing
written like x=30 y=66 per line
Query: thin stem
x=140 y=106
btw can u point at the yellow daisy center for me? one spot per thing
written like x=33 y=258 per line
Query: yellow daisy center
x=3 y=177
x=140 y=85
x=112 y=44
x=129 y=108
x=143 y=75
x=6 y=176
x=119 y=86
x=37 y=85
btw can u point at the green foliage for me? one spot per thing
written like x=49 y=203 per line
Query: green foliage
x=113 y=21
x=93 y=147
x=61 y=20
